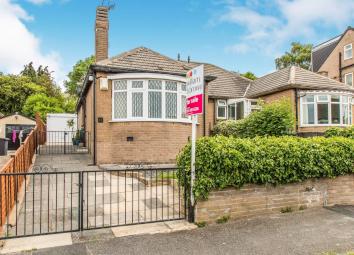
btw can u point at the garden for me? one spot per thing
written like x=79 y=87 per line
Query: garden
x=264 y=149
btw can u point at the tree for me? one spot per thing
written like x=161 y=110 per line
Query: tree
x=76 y=76
x=249 y=75
x=42 y=104
x=14 y=90
x=42 y=77
x=299 y=55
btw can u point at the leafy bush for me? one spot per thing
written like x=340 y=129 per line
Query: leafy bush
x=274 y=119
x=336 y=131
x=231 y=162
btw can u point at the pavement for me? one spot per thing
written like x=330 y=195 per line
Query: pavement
x=312 y=231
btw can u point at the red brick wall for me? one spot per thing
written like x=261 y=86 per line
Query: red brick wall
x=253 y=200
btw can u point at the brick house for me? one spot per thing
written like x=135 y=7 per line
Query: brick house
x=133 y=104
x=334 y=58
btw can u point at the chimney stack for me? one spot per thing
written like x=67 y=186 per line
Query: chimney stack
x=101 y=33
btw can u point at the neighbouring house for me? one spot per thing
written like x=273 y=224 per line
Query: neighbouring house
x=318 y=102
x=15 y=127
x=334 y=58
x=133 y=104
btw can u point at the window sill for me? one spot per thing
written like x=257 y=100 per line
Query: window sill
x=150 y=120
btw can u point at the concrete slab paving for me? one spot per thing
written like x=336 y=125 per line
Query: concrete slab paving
x=36 y=242
x=153 y=228
x=150 y=228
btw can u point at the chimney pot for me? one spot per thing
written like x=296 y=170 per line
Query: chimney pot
x=101 y=33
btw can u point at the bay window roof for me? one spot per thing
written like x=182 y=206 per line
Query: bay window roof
x=293 y=77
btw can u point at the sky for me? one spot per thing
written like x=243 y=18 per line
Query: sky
x=238 y=35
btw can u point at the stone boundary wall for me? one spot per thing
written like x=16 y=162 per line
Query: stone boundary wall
x=255 y=200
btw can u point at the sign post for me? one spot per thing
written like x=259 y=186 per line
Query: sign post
x=195 y=98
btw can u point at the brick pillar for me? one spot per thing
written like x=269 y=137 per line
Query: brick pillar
x=101 y=33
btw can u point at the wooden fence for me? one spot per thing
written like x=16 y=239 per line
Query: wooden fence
x=20 y=162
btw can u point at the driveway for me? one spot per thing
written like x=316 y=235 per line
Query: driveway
x=312 y=231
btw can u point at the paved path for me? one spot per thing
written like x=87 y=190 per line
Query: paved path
x=312 y=231
x=110 y=198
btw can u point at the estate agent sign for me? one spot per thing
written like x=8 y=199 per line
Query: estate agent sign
x=195 y=90
x=195 y=98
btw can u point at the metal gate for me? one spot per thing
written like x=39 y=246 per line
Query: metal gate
x=63 y=142
x=58 y=202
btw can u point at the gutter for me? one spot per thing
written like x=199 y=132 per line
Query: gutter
x=296 y=110
x=94 y=119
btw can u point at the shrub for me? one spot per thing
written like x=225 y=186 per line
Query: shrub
x=223 y=219
x=336 y=131
x=287 y=209
x=274 y=119
x=231 y=162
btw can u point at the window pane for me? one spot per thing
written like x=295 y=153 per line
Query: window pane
x=345 y=114
x=231 y=111
x=120 y=105
x=322 y=113
x=221 y=102
x=137 y=84
x=349 y=79
x=184 y=87
x=155 y=84
x=184 y=106
x=221 y=112
x=335 y=99
x=348 y=51
x=171 y=85
x=240 y=110
x=155 y=104
x=171 y=105
x=120 y=85
x=309 y=98
x=323 y=98
x=335 y=109
x=137 y=104
x=308 y=115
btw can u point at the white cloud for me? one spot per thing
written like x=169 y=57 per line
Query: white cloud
x=238 y=48
x=282 y=21
x=38 y=2
x=18 y=46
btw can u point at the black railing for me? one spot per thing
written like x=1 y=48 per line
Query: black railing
x=132 y=196
x=64 y=142
x=57 y=202
x=46 y=204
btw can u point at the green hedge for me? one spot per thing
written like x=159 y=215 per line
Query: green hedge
x=274 y=119
x=231 y=162
x=336 y=131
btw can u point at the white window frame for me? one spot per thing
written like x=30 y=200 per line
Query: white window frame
x=316 y=101
x=345 y=79
x=345 y=49
x=221 y=103
x=247 y=107
x=145 y=78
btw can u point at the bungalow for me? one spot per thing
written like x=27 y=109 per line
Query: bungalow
x=133 y=104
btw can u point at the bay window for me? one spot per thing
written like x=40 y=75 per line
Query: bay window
x=148 y=99
x=325 y=109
